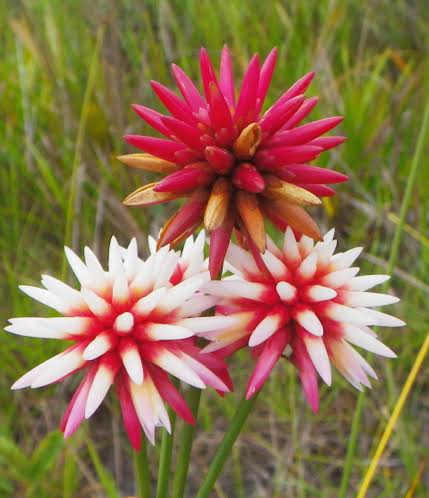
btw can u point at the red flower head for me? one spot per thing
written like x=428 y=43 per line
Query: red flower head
x=130 y=326
x=233 y=163
x=308 y=305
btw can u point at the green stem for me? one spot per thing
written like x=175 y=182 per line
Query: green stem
x=224 y=449
x=185 y=447
x=393 y=256
x=165 y=458
x=141 y=469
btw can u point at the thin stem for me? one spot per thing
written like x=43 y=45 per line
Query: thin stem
x=185 y=447
x=141 y=469
x=165 y=458
x=224 y=449
x=393 y=418
x=394 y=252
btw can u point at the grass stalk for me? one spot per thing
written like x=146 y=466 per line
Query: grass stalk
x=142 y=472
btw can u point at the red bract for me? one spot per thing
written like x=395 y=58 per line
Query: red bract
x=130 y=327
x=305 y=303
x=234 y=164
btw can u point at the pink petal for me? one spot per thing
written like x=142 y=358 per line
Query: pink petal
x=219 y=242
x=277 y=116
x=271 y=352
x=187 y=134
x=305 y=109
x=221 y=118
x=208 y=74
x=265 y=77
x=164 y=149
x=304 y=173
x=188 y=89
x=171 y=395
x=328 y=142
x=245 y=111
x=219 y=158
x=280 y=156
x=307 y=373
x=152 y=118
x=129 y=415
x=187 y=179
x=247 y=177
x=298 y=88
x=226 y=78
x=173 y=103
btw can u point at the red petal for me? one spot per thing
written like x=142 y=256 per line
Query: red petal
x=165 y=149
x=304 y=173
x=226 y=78
x=152 y=118
x=219 y=243
x=176 y=106
x=307 y=106
x=276 y=117
x=328 y=142
x=245 y=111
x=189 y=178
x=220 y=159
x=318 y=189
x=307 y=373
x=265 y=77
x=279 y=156
x=188 y=89
x=171 y=395
x=298 y=88
x=208 y=74
x=189 y=135
x=271 y=352
x=220 y=116
x=247 y=177
x=129 y=415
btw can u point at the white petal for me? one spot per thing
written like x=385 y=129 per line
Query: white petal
x=329 y=236
x=207 y=323
x=341 y=313
x=115 y=259
x=98 y=305
x=236 y=289
x=265 y=329
x=317 y=293
x=147 y=304
x=27 y=379
x=290 y=248
x=133 y=364
x=359 y=338
x=97 y=392
x=241 y=260
x=317 y=351
x=204 y=372
x=161 y=415
x=77 y=265
x=309 y=321
x=197 y=305
x=338 y=278
x=366 y=282
x=272 y=247
x=166 y=332
x=286 y=291
x=98 y=346
x=180 y=293
x=152 y=244
x=383 y=319
x=97 y=276
x=64 y=292
x=141 y=398
x=308 y=267
x=363 y=299
x=45 y=297
x=344 y=260
x=131 y=259
x=34 y=327
x=177 y=367
x=306 y=245
x=120 y=291
x=274 y=265
x=62 y=366
x=325 y=250
x=167 y=270
x=124 y=323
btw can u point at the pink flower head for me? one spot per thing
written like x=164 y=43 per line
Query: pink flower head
x=235 y=164
x=130 y=326
x=305 y=303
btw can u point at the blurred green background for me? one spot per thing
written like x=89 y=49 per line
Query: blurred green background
x=69 y=71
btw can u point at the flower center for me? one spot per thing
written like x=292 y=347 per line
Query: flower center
x=124 y=323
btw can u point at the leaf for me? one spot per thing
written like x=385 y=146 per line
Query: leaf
x=106 y=480
x=46 y=454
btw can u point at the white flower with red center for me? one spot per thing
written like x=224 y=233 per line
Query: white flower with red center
x=303 y=302
x=130 y=326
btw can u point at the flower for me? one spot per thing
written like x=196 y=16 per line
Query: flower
x=303 y=302
x=130 y=326
x=233 y=163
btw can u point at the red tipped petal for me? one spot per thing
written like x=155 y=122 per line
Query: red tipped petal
x=328 y=142
x=245 y=111
x=305 y=109
x=171 y=395
x=304 y=173
x=226 y=78
x=129 y=416
x=189 y=178
x=219 y=242
x=152 y=118
x=188 y=89
x=189 y=135
x=276 y=117
x=265 y=77
x=305 y=133
x=220 y=159
x=247 y=177
x=173 y=103
x=165 y=149
x=208 y=74
x=271 y=352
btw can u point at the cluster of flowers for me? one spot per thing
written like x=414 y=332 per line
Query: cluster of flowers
x=141 y=321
